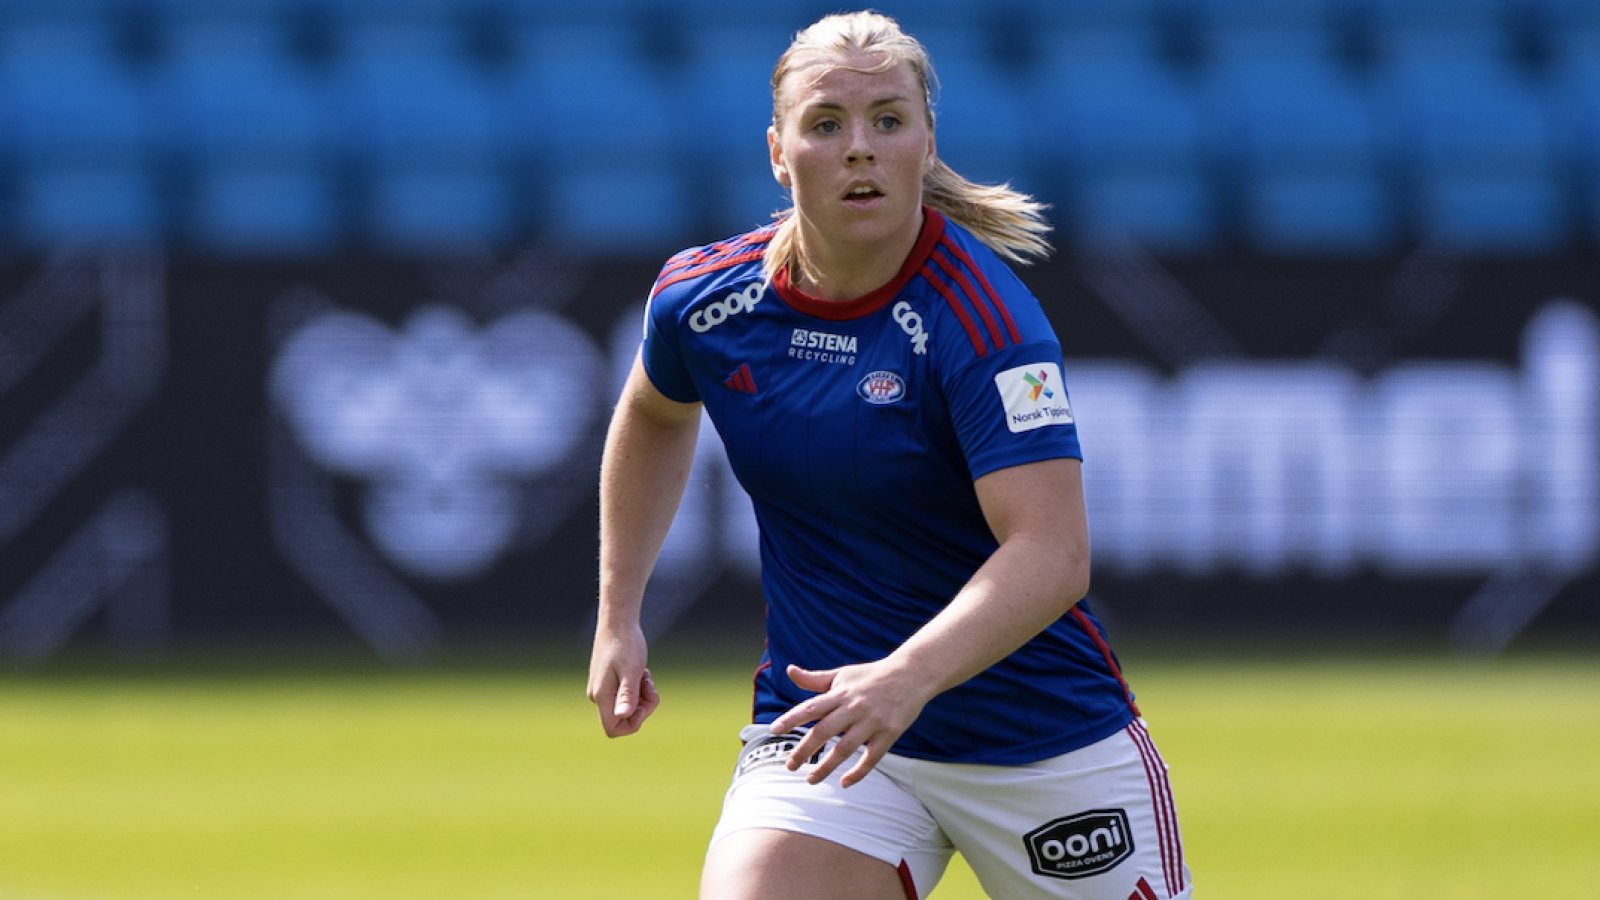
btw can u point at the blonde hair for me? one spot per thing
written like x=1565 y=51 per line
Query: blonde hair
x=1008 y=221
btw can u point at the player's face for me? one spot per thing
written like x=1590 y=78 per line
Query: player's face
x=852 y=148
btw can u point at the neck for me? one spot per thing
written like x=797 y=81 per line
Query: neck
x=840 y=272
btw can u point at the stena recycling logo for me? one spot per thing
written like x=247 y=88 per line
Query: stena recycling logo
x=1082 y=845
x=715 y=313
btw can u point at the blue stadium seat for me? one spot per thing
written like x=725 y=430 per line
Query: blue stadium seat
x=1097 y=16
x=778 y=18
x=622 y=208
x=1126 y=134
x=427 y=208
x=575 y=92
x=1312 y=27
x=1575 y=90
x=604 y=135
x=1567 y=16
x=234 y=90
x=1481 y=157
x=598 y=13
x=1407 y=27
x=255 y=129
x=81 y=13
x=1302 y=139
x=982 y=130
x=421 y=124
x=71 y=96
x=82 y=139
x=173 y=14
x=726 y=76
x=107 y=202
x=259 y=208
x=407 y=92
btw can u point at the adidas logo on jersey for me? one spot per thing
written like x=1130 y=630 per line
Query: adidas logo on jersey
x=741 y=380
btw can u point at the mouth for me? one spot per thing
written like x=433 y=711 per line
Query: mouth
x=862 y=194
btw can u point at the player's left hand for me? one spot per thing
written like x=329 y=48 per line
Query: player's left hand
x=868 y=705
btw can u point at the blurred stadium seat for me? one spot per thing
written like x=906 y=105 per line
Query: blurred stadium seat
x=597 y=118
x=1576 y=90
x=252 y=126
x=1227 y=28
x=105 y=203
x=1126 y=133
x=724 y=85
x=1300 y=143
x=979 y=114
x=83 y=141
x=1480 y=157
x=421 y=124
x=1176 y=122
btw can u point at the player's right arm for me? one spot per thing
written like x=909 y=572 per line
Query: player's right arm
x=648 y=453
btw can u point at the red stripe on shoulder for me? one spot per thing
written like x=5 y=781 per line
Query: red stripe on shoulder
x=726 y=262
x=957 y=307
x=967 y=288
x=988 y=289
x=714 y=258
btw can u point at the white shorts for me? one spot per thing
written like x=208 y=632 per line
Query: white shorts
x=1094 y=824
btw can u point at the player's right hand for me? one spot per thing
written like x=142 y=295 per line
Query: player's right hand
x=620 y=685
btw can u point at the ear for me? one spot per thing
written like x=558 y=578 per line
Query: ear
x=933 y=156
x=780 y=169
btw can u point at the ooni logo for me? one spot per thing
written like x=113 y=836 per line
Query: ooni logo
x=911 y=323
x=1082 y=845
x=880 y=388
x=714 y=314
x=444 y=423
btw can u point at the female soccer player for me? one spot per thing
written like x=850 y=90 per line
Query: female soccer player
x=890 y=396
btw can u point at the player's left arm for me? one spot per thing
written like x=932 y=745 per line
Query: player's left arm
x=1039 y=571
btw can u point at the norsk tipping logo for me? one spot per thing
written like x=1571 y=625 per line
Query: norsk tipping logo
x=1028 y=398
x=1038 y=385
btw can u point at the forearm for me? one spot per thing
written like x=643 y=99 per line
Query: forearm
x=643 y=471
x=1028 y=583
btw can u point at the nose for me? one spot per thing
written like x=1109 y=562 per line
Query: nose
x=860 y=148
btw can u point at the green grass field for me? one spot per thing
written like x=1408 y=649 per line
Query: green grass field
x=1320 y=777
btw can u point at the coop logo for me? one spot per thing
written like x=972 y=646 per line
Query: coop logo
x=881 y=388
x=911 y=323
x=1080 y=846
x=1032 y=397
x=714 y=314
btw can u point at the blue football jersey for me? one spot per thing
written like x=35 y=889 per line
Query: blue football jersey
x=858 y=429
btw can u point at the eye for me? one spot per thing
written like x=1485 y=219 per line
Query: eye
x=888 y=122
x=826 y=126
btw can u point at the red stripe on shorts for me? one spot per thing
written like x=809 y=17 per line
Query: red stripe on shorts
x=906 y=882
x=1166 y=813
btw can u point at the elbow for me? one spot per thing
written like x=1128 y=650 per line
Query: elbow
x=1076 y=572
x=1076 y=584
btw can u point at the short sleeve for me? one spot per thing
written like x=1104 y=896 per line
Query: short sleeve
x=662 y=353
x=1011 y=407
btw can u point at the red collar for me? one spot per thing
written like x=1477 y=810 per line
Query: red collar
x=838 y=311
